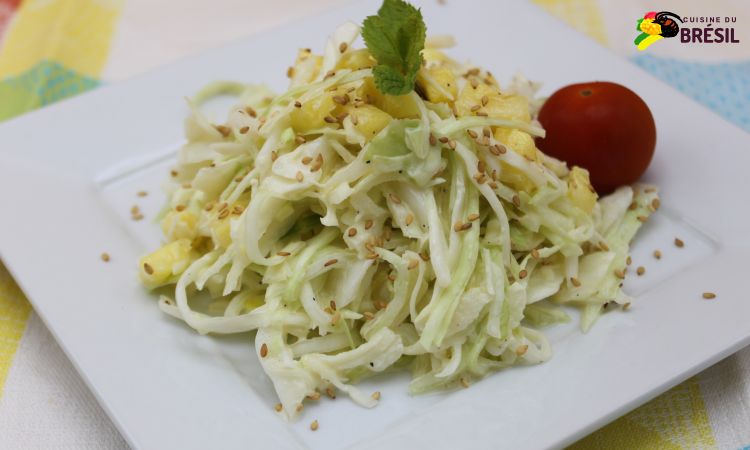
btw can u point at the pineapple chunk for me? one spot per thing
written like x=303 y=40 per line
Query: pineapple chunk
x=370 y=120
x=311 y=116
x=220 y=232
x=523 y=144
x=498 y=106
x=518 y=141
x=398 y=106
x=515 y=178
x=306 y=68
x=179 y=225
x=356 y=59
x=438 y=84
x=159 y=267
x=433 y=55
x=580 y=191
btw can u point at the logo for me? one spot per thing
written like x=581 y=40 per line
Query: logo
x=656 y=26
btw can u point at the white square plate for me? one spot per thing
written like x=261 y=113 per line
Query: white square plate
x=69 y=174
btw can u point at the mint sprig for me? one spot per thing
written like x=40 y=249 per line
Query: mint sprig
x=395 y=38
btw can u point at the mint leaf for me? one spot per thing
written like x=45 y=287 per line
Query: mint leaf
x=395 y=38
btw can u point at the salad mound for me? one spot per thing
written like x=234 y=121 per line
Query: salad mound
x=359 y=231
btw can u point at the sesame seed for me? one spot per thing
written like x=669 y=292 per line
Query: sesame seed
x=376 y=395
x=179 y=208
x=603 y=245
x=290 y=72
x=330 y=262
x=452 y=144
x=657 y=254
x=148 y=269
x=297 y=104
x=626 y=306
x=640 y=270
x=173 y=173
x=134 y=209
x=250 y=111
x=642 y=218
x=223 y=129
x=425 y=257
x=354 y=119
x=709 y=295
x=329 y=74
x=443 y=139
x=475 y=108
x=516 y=200
x=679 y=243
x=300 y=139
x=458 y=226
x=473 y=217
x=331 y=393
x=141 y=193
x=485 y=100
x=306 y=160
x=629 y=261
x=342 y=47
x=655 y=203
x=392 y=276
x=481 y=166
x=105 y=257
x=395 y=199
x=263 y=350
x=521 y=349
x=283 y=253
x=244 y=130
x=368 y=315
x=472 y=133
x=522 y=274
x=299 y=176
x=619 y=273
x=352 y=232
x=433 y=139
x=278 y=407
x=494 y=150
x=501 y=148
x=137 y=217
x=368 y=224
x=237 y=210
x=474 y=83
x=575 y=281
x=535 y=253
x=413 y=264
x=409 y=219
x=482 y=114
x=300 y=406
x=314 y=424
x=333 y=305
x=341 y=99
x=463 y=382
x=223 y=214
x=486 y=132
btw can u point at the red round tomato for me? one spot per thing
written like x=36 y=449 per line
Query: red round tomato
x=600 y=126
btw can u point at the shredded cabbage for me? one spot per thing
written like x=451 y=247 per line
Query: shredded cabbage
x=358 y=232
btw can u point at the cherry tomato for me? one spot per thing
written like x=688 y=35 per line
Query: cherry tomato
x=600 y=126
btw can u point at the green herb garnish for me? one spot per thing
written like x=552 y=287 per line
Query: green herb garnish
x=395 y=38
